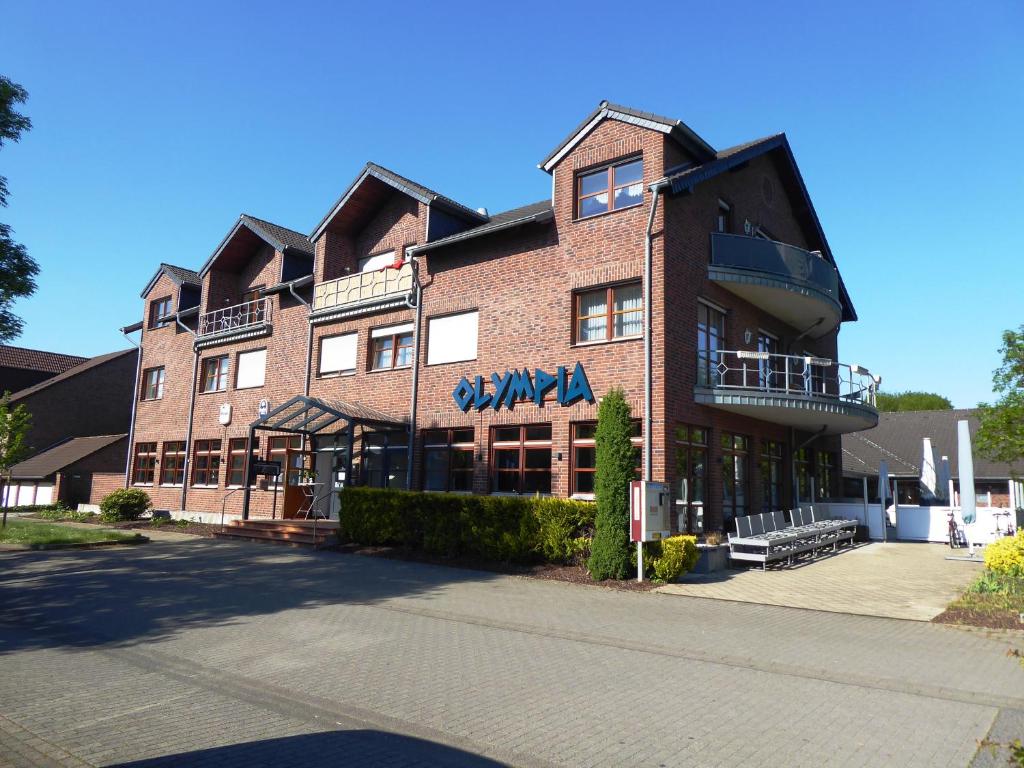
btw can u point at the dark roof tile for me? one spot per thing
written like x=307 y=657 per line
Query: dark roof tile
x=89 y=364
x=58 y=457
x=37 y=359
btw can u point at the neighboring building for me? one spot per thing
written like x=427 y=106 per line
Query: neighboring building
x=412 y=341
x=899 y=439
x=21 y=368
x=91 y=400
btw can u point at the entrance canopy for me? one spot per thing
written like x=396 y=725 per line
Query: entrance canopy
x=312 y=415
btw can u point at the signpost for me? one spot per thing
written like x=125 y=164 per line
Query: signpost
x=649 y=510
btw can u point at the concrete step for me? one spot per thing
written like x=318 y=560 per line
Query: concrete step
x=282 y=527
x=304 y=539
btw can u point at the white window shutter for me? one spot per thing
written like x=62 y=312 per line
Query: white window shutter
x=379 y=261
x=338 y=353
x=252 y=369
x=453 y=338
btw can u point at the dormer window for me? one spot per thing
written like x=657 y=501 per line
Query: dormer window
x=723 y=223
x=159 y=312
x=610 y=189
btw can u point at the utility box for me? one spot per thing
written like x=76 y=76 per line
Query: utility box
x=650 y=507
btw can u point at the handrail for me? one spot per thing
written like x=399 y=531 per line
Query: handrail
x=786 y=374
x=248 y=314
x=363 y=287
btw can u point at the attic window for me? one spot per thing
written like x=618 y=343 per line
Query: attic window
x=159 y=312
x=610 y=189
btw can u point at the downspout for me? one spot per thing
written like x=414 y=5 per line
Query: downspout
x=135 y=405
x=415 y=368
x=191 y=412
x=309 y=336
x=656 y=189
x=811 y=327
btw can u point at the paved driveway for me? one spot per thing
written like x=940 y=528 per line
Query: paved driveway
x=222 y=653
x=900 y=580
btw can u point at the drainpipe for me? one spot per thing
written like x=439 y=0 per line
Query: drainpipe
x=135 y=405
x=656 y=190
x=191 y=413
x=415 y=367
x=309 y=336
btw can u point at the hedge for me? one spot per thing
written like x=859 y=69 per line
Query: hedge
x=34 y=508
x=494 y=528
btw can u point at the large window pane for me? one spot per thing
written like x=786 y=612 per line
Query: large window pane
x=594 y=182
x=627 y=196
x=591 y=206
x=435 y=463
x=629 y=172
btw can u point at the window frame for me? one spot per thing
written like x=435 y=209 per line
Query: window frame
x=431 y=331
x=723 y=218
x=609 y=188
x=238 y=368
x=177 y=467
x=396 y=347
x=636 y=439
x=772 y=454
x=610 y=313
x=157 y=319
x=321 y=374
x=451 y=447
x=523 y=445
x=217 y=376
x=158 y=386
x=690 y=441
x=247 y=458
x=147 y=449
x=210 y=451
x=288 y=442
x=707 y=376
x=729 y=514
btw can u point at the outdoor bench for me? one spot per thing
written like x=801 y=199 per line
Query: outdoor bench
x=769 y=537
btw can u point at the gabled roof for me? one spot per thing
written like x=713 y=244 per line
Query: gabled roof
x=677 y=129
x=89 y=364
x=37 y=359
x=406 y=186
x=279 y=238
x=686 y=177
x=58 y=457
x=526 y=214
x=898 y=440
x=179 y=275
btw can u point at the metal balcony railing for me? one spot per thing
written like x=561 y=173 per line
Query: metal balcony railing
x=756 y=254
x=363 y=288
x=239 y=317
x=786 y=374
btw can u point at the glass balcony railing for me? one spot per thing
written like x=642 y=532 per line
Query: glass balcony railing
x=770 y=258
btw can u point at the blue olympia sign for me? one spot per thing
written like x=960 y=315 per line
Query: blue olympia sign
x=516 y=386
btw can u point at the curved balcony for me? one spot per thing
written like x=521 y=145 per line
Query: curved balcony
x=807 y=393
x=799 y=287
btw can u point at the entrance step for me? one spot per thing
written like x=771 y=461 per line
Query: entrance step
x=296 y=533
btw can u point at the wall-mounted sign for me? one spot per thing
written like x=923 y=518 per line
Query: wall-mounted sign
x=264 y=408
x=519 y=386
x=266 y=468
x=225 y=414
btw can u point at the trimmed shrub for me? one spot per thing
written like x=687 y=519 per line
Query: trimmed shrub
x=676 y=556
x=610 y=552
x=1005 y=557
x=43 y=510
x=124 y=504
x=495 y=528
x=566 y=529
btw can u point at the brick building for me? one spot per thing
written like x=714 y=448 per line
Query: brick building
x=412 y=341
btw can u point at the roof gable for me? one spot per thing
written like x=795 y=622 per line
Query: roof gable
x=179 y=275
x=677 y=129
x=279 y=238
x=374 y=173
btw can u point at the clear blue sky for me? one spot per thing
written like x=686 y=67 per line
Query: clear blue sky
x=155 y=128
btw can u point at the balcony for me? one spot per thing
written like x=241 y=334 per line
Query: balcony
x=251 y=318
x=362 y=292
x=798 y=287
x=807 y=393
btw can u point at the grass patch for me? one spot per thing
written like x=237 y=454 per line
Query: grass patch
x=992 y=600
x=45 y=535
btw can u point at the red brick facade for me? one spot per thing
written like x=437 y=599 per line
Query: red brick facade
x=522 y=282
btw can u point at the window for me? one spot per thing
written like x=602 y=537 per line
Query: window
x=385 y=459
x=802 y=465
x=392 y=347
x=609 y=313
x=215 y=374
x=377 y=261
x=159 y=312
x=236 y=459
x=691 y=476
x=206 y=463
x=767 y=366
x=771 y=475
x=144 y=464
x=734 y=479
x=172 y=465
x=253 y=294
x=521 y=459
x=584 y=455
x=153 y=383
x=448 y=459
x=611 y=188
x=453 y=338
x=710 y=343
x=252 y=369
x=279 y=447
x=338 y=354
x=826 y=473
x=723 y=221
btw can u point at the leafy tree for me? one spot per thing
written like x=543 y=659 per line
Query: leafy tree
x=1001 y=433
x=609 y=554
x=912 y=401
x=17 y=268
x=14 y=425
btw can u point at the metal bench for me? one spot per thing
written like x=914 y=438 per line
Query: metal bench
x=767 y=537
